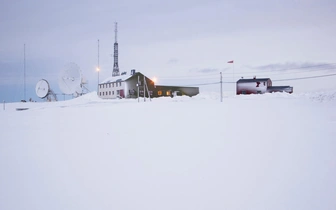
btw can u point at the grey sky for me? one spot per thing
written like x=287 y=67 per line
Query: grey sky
x=159 y=38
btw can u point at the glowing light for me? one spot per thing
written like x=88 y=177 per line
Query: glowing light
x=154 y=79
x=97 y=69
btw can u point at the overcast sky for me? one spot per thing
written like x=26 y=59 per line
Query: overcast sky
x=172 y=40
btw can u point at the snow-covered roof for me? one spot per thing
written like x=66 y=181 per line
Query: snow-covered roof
x=253 y=80
x=115 y=79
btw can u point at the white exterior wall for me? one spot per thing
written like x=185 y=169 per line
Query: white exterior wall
x=252 y=87
x=113 y=87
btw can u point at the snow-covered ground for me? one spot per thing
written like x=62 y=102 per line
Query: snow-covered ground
x=271 y=151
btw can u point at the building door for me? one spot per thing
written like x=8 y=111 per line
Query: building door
x=122 y=94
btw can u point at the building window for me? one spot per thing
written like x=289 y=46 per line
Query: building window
x=120 y=84
x=100 y=93
x=168 y=93
x=118 y=92
x=116 y=84
x=110 y=93
x=110 y=85
x=103 y=93
x=106 y=92
x=160 y=92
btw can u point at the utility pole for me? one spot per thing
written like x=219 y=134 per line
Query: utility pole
x=138 y=87
x=98 y=69
x=144 y=88
x=148 y=91
x=221 y=87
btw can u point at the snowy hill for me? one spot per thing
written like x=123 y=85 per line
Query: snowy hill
x=271 y=151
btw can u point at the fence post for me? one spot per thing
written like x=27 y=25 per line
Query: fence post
x=4 y=108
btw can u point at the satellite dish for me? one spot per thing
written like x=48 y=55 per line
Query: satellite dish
x=70 y=79
x=42 y=88
x=43 y=91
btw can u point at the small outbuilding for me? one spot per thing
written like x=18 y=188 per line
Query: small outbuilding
x=260 y=86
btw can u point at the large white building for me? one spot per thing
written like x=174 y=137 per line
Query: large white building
x=125 y=86
x=114 y=87
x=136 y=84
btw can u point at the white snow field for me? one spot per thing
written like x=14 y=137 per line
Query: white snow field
x=271 y=151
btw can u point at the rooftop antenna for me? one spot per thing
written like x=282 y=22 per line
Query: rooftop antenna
x=115 y=71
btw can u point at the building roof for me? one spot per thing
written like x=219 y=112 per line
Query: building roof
x=277 y=87
x=253 y=80
x=174 y=86
x=116 y=79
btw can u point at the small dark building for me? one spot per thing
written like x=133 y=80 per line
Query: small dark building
x=259 y=86
x=172 y=91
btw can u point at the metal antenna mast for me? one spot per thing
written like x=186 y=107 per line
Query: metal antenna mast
x=116 y=32
x=115 y=71
x=24 y=70
x=98 y=69
x=98 y=53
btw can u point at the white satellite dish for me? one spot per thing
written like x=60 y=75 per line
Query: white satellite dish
x=43 y=91
x=70 y=79
x=42 y=88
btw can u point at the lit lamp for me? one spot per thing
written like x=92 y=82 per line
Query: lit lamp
x=154 y=81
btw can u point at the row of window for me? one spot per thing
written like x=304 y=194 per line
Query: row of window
x=132 y=92
x=167 y=93
x=107 y=93
x=142 y=92
x=110 y=85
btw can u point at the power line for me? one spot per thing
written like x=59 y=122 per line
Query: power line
x=288 y=79
x=299 y=72
x=215 y=78
x=329 y=66
x=312 y=77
